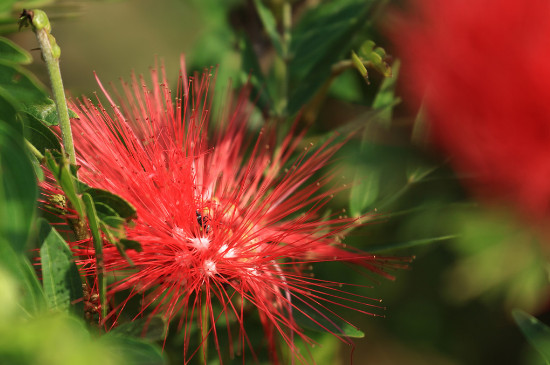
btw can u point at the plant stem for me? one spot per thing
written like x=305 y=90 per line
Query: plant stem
x=286 y=36
x=34 y=150
x=51 y=53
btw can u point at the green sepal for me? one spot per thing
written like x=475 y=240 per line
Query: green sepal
x=65 y=178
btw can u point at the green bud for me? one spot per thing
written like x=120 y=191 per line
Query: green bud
x=40 y=21
x=358 y=64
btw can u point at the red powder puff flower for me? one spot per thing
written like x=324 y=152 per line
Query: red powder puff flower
x=226 y=224
x=481 y=67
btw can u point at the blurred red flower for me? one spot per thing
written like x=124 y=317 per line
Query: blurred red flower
x=226 y=223
x=480 y=68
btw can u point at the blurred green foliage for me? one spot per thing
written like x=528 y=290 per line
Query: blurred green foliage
x=474 y=264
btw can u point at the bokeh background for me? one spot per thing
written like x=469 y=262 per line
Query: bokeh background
x=474 y=262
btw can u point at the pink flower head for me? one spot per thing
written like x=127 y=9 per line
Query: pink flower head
x=481 y=67
x=225 y=223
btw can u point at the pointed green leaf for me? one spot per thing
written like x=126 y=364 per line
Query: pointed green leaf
x=20 y=84
x=123 y=208
x=18 y=190
x=131 y=244
x=12 y=53
x=8 y=109
x=270 y=25
x=46 y=111
x=60 y=276
x=252 y=73
x=536 y=332
x=365 y=189
x=150 y=328
x=31 y=295
x=322 y=38
x=40 y=135
x=309 y=318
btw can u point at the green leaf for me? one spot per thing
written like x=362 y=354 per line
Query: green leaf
x=8 y=109
x=20 y=84
x=136 y=351
x=150 y=328
x=536 y=332
x=321 y=38
x=18 y=190
x=46 y=111
x=121 y=206
x=252 y=73
x=12 y=53
x=110 y=236
x=60 y=276
x=40 y=135
x=365 y=189
x=30 y=291
x=309 y=318
x=131 y=244
x=270 y=25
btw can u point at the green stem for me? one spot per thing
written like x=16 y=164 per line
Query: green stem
x=34 y=150
x=286 y=37
x=203 y=353
x=51 y=54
